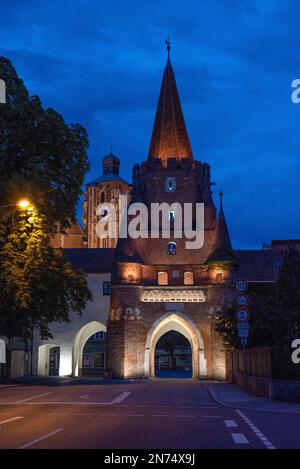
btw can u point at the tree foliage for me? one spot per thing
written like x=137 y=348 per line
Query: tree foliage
x=43 y=159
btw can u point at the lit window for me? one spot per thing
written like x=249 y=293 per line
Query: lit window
x=171 y=215
x=188 y=278
x=99 y=335
x=170 y=184
x=219 y=278
x=106 y=288
x=172 y=249
x=162 y=278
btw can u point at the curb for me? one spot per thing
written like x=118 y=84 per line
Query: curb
x=245 y=407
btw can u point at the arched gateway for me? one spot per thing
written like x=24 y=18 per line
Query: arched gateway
x=181 y=323
x=162 y=270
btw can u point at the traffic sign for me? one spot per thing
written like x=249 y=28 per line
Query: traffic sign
x=242 y=315
x=241 y=286
x=241 y=300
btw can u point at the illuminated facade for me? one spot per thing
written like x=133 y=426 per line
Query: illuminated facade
x=105 y=189
x=159 y=285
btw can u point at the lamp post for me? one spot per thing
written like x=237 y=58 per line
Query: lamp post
x=23 y=204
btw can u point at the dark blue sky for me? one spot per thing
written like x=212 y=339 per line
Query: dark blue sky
x=100 y=64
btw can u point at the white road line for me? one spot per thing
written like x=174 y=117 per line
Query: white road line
x=186 y=407
x=13 y=419
x=230 y=423
x=141 y=405
x=120 y=398
x=44 y=437
x=84 y=396
x=160 y=415
x=255 y=430
x=134 y=415
x=21 y=401
x=211 y=416
x=186 y=416
x=240 y=439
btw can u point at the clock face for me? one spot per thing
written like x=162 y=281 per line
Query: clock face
x=172 y=249
x=170 y=184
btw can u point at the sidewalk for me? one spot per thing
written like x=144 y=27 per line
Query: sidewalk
x=230 y=395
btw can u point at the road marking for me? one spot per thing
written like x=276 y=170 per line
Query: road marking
x=186 y=416
x=212 y=416
x=120 y=398
x=186 y=407
x=160 y=415
x=10 y=420
x=84 y=396
x=141 y=405
x=230 y=423
x=134 y=415
x=163 y=406
x=32 y=397
x=240 y=439
x=44 y=437
x=255 y=430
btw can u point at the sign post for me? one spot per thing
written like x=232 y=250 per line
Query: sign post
x=242 y=316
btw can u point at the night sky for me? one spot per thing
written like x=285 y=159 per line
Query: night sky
x=100 y=63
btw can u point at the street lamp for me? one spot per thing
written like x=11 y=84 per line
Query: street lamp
x=23 y=203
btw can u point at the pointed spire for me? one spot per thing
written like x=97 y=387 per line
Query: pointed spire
x=169 y=137
x=222 y=249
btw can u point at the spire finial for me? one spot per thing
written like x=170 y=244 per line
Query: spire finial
x=221 y=200
x=168 y=42
x=110 y=150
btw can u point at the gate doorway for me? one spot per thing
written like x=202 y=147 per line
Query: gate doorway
x=54 y=358
x=173 y=356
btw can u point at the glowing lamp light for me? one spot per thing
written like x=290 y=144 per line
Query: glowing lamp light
x=23 y=204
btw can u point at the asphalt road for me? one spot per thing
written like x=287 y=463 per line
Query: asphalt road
x=158 y=414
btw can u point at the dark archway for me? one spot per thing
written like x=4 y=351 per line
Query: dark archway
x=173 y=356
x=93 y=355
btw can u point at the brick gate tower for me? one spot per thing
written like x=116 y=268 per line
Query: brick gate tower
x=158 y=284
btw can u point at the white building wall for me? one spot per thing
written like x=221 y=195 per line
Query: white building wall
x=64 y=334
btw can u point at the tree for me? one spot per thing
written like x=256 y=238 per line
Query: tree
x=44 y=159
x=275 y=310
x=41 y=157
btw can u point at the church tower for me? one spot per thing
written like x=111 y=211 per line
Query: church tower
x=105 y=189
x=158 y=283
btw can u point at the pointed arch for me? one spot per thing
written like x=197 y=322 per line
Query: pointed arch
x=181 y=323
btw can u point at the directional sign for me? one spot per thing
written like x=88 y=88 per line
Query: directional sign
x=242 y=315
x=241 y=286
x=241 y=300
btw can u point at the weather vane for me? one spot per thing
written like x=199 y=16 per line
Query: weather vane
x=168 y=42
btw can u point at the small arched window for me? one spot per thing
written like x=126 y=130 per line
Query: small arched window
x=172 y=248
x=102 y=197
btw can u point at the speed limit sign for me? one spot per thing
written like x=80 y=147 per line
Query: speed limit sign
x=241 y=286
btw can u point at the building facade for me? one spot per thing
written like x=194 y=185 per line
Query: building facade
x=105 y=189
x=160 y=284
x=146 y=287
